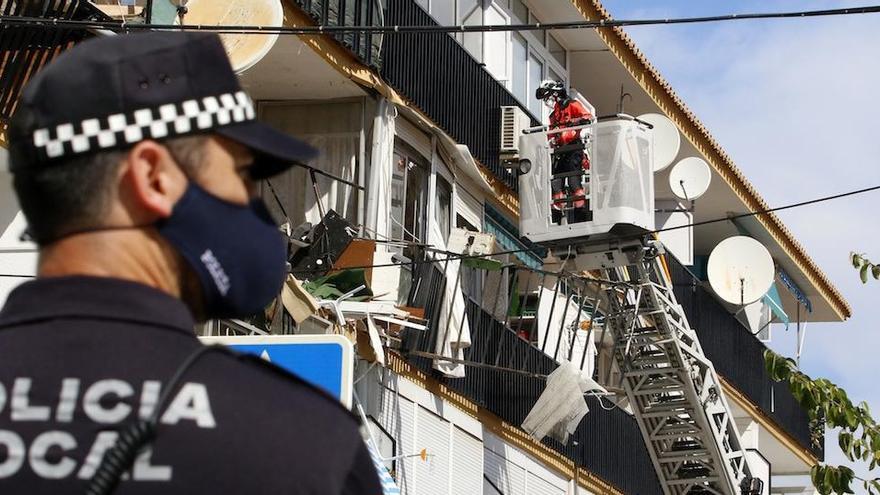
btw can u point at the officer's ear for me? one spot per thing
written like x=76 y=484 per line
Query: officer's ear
x=152 y=181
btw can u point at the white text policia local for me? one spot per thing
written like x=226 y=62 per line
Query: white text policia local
x=103 y=402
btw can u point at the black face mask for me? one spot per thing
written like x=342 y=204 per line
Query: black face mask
x=236 y=251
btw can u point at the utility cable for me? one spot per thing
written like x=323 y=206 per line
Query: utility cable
x=56 y=23
x=769 y=210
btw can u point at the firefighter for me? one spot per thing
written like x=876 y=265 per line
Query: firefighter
x=569 y=152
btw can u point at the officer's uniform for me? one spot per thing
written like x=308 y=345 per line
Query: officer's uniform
x=82 y=357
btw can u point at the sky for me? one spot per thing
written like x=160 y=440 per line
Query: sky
x=795 y=103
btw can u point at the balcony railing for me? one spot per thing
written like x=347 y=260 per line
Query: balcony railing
x=739 y=357
x=607 y=443
x=366 y=46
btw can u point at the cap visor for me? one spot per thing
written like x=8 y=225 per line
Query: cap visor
x=275 y=151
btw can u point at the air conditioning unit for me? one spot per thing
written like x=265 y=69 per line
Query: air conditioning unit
x=513 y=121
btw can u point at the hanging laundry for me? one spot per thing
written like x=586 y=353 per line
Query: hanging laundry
x=561 y=406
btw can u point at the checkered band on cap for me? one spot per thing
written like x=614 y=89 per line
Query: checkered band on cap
x=167 y=120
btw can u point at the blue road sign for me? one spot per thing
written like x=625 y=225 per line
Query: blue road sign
x=323 y=360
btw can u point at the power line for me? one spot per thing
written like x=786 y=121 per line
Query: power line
x=770 y=210
x=56 y=23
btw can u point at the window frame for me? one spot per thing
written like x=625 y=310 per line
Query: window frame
x=409 y=153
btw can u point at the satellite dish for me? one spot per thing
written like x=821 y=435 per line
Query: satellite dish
x=740 y=270
x=667 y=140
x=690 y=178
x=244 y=50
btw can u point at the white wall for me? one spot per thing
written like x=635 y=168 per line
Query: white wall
x=18 y=260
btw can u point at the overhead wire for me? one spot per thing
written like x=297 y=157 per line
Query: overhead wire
x=56 y=23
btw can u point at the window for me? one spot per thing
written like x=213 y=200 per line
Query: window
x=443 y=207
x=443 y=12
x=519 y=60
x=536 y=74
x=462 y=223
x=473 y=42
x=465 y=7
x=556 y=49
x=520 y=11
x=409 y=186
x=495 y=44
x=519 y=76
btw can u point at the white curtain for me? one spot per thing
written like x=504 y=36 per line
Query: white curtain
x=381 y=170
x=334 y=129
x=454 y=331
x=338 y=157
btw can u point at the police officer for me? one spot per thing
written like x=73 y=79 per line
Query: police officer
x=135 y=160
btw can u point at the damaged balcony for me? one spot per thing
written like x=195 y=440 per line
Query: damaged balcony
x=488 y=328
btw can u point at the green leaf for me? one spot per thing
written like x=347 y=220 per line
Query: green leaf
x=856 y=260
x=844 y=481
x=875 y=271
x=828 y=481
x=826 y=486
x=845 y=441
x=852 y=419
x=863 y=274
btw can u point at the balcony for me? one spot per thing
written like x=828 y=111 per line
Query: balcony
x=739 y=357
x=366 y=46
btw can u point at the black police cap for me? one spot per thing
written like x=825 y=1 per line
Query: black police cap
x=114 y=91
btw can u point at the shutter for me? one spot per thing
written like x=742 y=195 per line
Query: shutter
x=540 y=486
x=467 y=463
x=397 y=418
x=413 y=136
x=507 y=476
x=432 y=476
x=469 y=207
